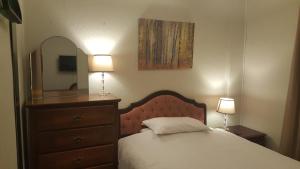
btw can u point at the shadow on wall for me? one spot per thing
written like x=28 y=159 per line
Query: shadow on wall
x=264 y=118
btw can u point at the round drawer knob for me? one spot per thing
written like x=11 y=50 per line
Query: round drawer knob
x=77 y=140
x=77 y=118
x=78 y=161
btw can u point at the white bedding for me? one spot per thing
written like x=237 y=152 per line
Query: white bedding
x=215 y=149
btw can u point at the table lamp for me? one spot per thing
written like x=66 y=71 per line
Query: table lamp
x=226 y=106
x=101 y=63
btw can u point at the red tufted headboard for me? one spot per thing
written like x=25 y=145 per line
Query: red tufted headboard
x=159 y=104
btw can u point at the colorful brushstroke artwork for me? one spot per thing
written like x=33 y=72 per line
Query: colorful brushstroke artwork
x=165 y=44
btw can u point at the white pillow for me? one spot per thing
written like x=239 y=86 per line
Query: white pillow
x=169 y=125
x=145 y=130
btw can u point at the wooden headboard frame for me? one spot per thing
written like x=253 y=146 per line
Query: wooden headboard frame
x=148 y=98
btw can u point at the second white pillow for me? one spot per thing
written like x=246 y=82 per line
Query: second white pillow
x=169 y=125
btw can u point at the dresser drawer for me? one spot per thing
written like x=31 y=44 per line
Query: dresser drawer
x=53 y=141
x=108 y=166
x=76 y=159
x=66 y=118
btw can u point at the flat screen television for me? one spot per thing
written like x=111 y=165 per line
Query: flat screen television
x=67 y=63
x=11 y=10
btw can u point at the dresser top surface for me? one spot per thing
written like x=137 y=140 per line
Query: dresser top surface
x=60 y=99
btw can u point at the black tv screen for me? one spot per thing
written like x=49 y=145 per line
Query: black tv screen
x=67 y=63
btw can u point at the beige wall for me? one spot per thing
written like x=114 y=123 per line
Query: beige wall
x=271 y=30
x=7 y=116
x=8 y=154
x=110 y=26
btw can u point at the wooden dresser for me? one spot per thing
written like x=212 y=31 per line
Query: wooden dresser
x=72 y=132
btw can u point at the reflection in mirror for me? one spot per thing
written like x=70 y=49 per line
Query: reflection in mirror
x=59 y=64
x=64 y=65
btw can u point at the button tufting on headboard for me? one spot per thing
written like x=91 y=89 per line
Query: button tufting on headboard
x=167 y=104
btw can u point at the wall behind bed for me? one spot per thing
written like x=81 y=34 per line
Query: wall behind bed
x=112 y=26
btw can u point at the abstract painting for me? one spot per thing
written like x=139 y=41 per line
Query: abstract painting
x=165 y=44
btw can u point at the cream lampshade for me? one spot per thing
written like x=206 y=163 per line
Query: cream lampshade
x=226 y=106
x=101 y=63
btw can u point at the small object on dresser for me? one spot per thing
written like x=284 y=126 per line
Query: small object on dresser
x=249 y=134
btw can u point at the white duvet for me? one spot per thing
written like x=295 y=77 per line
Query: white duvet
x=216 y=149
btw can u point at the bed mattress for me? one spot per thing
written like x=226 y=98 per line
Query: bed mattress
x=213 y=149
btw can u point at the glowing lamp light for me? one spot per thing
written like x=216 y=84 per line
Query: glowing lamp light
x=226 y=106
x=101 y=45
x=101 y=63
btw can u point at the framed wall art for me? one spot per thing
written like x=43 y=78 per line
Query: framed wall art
x=165 y=44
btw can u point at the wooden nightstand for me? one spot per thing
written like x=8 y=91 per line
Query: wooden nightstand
x=249 y=134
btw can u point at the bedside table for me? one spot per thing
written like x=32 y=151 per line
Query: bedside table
x=249 y=134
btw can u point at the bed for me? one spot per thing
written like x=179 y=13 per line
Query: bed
x=211 y=149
